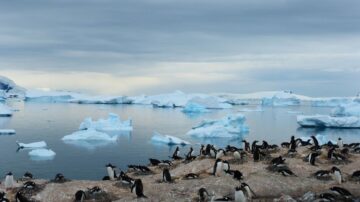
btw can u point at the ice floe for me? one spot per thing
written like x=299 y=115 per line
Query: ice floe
x=42 y=154
x=89 y=134
x=7 y=131
x=351 y=109
x=111 y=124
x=41 y=144
x=5 y=110
x=167 y=139
x=281 y=99
x=229 y=126
x=328 y=121
x=192 y=107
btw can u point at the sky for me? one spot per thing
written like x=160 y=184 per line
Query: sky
x=133 y=47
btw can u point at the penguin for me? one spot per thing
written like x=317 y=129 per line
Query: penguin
x=9 y=181
x=95 y=190
x=256 y=155
x=207 y=150
x=19 y=197
x=166 y=175
x=139 y=189
x=265 y=145
x=176 y=154
x=337 y=174
x=254 y=146
x=202 y=150
x=203 y=195
x=3 y=198
x=330 y=153
x=327 y=196
x=166 y=163
x=240 y=194
x=293 y=143
x=246 y=145
x=59 y=177
x=111 y=171
x=125 y=179
x=217 y=167
x=213 y=151
x=248 y=191
x=28 y=175
x=80 y=196
x=312 y=157
x=219 y=154
x=299 y=142
x=106 y=178
x=190 y=153
x=237 y=155
x=225 y=166
x=356 y=175
x=340 y=143
x=154 y=162
x=143 y=169
x=286 y=172
x=235 y=173
x=230 y=148
x=278 y=161
x=316 y=143
x=29 y=185
x=322 y=174
x=341 y=191
x=225 y=198
x=191 y=176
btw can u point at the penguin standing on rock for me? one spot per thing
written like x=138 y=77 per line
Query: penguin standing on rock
x=226 y=166
x=217 y=167
x=111 y=171
x=9 y=181
x=240 y=195
x=166 y=175
x=219 y=154
x=79 y=196
x=312 y=157
x=340 y=143
x=176 y=154
x=139 y=189
x=337 y=174
x=246 y=145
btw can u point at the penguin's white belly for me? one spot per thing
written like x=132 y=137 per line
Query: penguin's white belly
x=9 y=182
x=239 y=196
x=110 y=172
x=237 y=155
x=219 y=168
x=338 y=177
x=219 y=155
x=249 y=193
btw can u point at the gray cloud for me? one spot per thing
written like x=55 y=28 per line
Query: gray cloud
x=128 y=38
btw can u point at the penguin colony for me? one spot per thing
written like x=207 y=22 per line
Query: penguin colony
x=223 y=160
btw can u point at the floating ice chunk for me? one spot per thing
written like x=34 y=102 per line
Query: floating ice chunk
x=41 y=144
x=42 y=154
x=351 y=109
x=111 y=124
x=5 y=110
x=192 y=107
x=322 y=121
x=89 y=134
x=322 y=139
x=210 y=102
x=258 y=109
x=9 y=89
x=230 y=126
x=7 y=131
x=281 y=99
x=167 y=139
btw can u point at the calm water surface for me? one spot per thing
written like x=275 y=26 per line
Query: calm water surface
x=50 y=122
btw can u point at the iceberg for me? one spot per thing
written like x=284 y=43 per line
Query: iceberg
x=192 y=107
x=48 y=96
x=281 y=99
x=89 y=134
x=230 y=126
x=42 y=154
x=351 y=109
x=5 y=110
x=210 y=102
x=41 y=144
x=322 y=121
x=102 y=100
x=167 y=139
x=330 y=102
x=111 y=124
x=9 y=89
x=7 y=131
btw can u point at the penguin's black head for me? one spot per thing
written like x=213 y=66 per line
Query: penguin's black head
x=244 y=184
x=9 y=173
x=333 y=169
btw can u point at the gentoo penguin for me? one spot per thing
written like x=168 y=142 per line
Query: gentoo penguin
x=256 y=155
x=219 y=154
x=240 y=195
x=3 y=198
x=59 y=177
x=80 y=196
x=312 y=157
x=300 y=142
x=111 y=171
x=237 y=155
x=19 y=197
x=316 y=143
x=190 y=153
x=202 y=150
x=213 y=151
x=166 y=175
x=203 y=195
x=191 y=176
x=254 y=147
x=248 y=191
x=322 y=174
x=265 y=145
x=29 y=185
x=166 y=163
x=154 y=162
x=341 y=191
x=285 y=144
x=235 y=173
x=176 y=154
x=340 y=143
x=328 y=196
x=139 y=189
x=230 y=148
x=125 y=179
x=28 y=175
x=246 y=145
x=217 y=167
x=95 y=190
x=9 y=181
x=356 y=175
x=278 y=161
x=225 y=166
x=286 y=171
x=337 y=174
x=293 y=143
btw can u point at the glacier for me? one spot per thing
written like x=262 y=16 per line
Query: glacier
x=350 y=109
x=232 y=125
x=112 y=124
x=168 y=139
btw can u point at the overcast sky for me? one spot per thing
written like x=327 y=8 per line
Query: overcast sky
x=154 y=46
